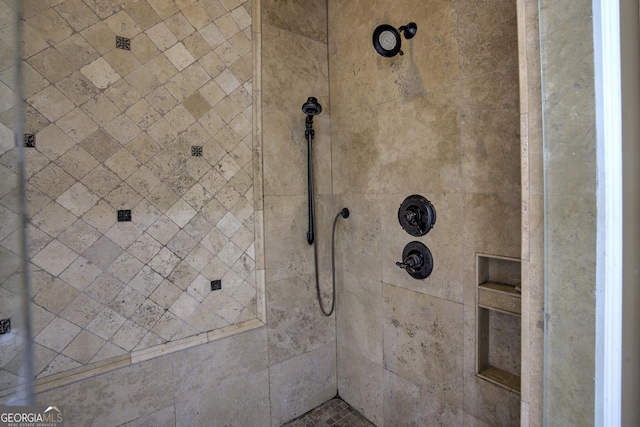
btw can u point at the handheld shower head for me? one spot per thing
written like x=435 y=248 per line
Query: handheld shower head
x=312 y=107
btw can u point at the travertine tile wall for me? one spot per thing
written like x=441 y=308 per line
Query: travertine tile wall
x=302 y=352
x=443 y=120
x=570 y=211
x=532 y=214
x=143 y=106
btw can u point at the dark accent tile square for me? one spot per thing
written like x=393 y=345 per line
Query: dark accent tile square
x=196 y=150
x=124 y=215
x=123 y=43
x=5 y=326
x=29 y=140
x=216 y=285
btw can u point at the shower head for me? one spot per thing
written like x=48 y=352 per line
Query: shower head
x=312 y=107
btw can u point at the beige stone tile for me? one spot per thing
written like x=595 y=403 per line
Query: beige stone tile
x=51 y=103
x=423 y=341
x=183 y=275
x=100 y=37
x=102 y=8
x=361 y=381
x=212 y=35
x=227 y=53
x=127 y=302
x=33 y=41
x=82 y=310
x=33 y=82
x=164 y=262
x=300 y=18
x=358 y=323
x=143 y=147
x=100 y=73
x=404 y=404
x=356 y=160
x=77 y=199
x=56 y=296
x=146 y=281
x=161 y=35
x=79 y=236
x=167 y=326
x=245 y=402
x=143 y=181
x=84 y=347
x=162 y=68
x=100 y=109
x=124 y=233
x=181 y=244
x=122 y=129
x=51 y=26
x=123 y=197
x=294 y=332
x=101 y=216
x=52 y=180
x=489 y=403
x=77 y=51
x=52 y=142
x=54 y=258
x=59 y=364
x=165 y=294
x=122 y=25
x=57 y=334
x=164 y=8
x=129 y=335
x=487 y=37
x=297 y=392
x=497 y=234
x=76 y=14
x=241 y=17
x=147 y=314
x=122 y=94
x=102 y=182
x=143 y=48
x=142 y=80
x=80 y=274
x=196 y=15
x=77 y=88
x=143 y=14
x=104 y=288
x=490 y=133
x=179 y=26
x=106 y=323
x=136 y=402
x=122 y=163
x=77 y=125
x=122 y=61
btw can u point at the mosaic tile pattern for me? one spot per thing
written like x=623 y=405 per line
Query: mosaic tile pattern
x=115 y=129
x=336 y=412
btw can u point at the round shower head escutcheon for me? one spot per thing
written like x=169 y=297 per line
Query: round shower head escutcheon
x=312 y=107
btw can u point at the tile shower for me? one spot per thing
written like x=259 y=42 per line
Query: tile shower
x=140 y=180
x=167 y=199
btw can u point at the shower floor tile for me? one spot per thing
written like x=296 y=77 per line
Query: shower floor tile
x=334 y=413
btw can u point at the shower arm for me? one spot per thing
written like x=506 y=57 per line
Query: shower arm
x=309 y=133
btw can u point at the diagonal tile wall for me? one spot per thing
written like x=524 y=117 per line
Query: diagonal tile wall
x=140 y=180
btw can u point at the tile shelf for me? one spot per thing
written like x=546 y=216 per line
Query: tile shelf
x=498 y=320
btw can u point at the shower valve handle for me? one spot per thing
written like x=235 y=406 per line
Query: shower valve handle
x=411 y=263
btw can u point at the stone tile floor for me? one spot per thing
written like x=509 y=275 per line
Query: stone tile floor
x=333 y=413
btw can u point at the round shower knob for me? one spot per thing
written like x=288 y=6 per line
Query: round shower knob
x=416 y=260
x=417 y=215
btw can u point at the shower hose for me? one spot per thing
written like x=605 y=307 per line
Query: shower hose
x=345 y=214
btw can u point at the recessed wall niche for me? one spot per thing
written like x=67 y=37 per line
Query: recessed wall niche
x=498 y=320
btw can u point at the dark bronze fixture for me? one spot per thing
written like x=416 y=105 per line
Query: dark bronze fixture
x=387 y=41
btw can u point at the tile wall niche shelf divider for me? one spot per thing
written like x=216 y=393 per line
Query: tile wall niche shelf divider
x=498 y=320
